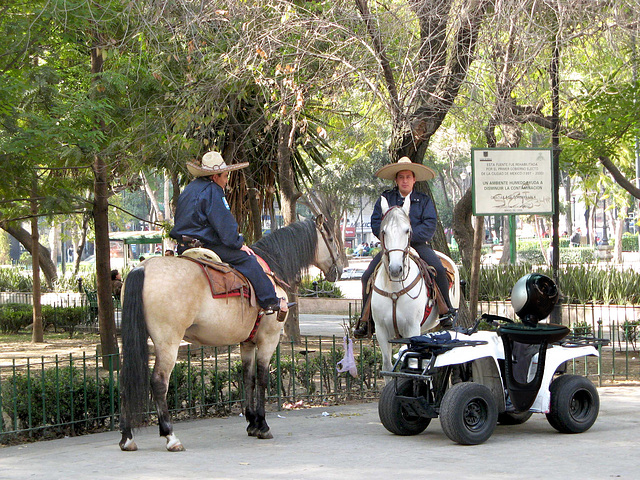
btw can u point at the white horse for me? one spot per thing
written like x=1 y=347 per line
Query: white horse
x=400 y=296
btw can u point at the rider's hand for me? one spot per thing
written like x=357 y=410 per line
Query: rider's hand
x=244 y=248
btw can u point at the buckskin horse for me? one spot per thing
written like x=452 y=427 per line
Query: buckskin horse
x=170 y=299
x=403 y=303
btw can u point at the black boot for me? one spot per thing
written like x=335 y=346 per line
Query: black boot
x=362 y=330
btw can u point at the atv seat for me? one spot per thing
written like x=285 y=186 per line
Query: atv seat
x=514 y=337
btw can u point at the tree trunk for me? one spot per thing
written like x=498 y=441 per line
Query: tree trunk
x=474 y=289
x=37 y=335
x=288 y=193
x=44 y=258
x=83 y=241
x=288 y=198
x=463 y=229
x=152 y=198
x=106 y=321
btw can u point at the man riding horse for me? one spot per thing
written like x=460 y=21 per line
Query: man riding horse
x=423 y=218
x=203 y=218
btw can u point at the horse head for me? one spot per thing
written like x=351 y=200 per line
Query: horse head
x=395 y=235
x=329 y=258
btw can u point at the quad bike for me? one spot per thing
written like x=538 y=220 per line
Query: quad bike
x=475 y=379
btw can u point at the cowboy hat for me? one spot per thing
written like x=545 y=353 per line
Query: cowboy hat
x=212 y=163
x=422 y=172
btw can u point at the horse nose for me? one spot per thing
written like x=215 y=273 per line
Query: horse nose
x=395 y=270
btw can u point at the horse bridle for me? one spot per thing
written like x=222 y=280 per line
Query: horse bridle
x=395 y=295
x=327 y=242
x=405 y=250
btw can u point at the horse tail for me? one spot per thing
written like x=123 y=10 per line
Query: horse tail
x=134 y=372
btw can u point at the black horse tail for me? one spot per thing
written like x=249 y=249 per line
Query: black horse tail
x=134 y=372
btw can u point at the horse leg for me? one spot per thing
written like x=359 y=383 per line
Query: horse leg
x=385 y=349
x=159 y=387
x=263 y=430
x=127 y=444
x=248 y=355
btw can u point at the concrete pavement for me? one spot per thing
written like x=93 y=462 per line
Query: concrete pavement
x=349 y=442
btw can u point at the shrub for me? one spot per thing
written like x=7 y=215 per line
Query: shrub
x=15 y=316
x=63 y=395
x=67 y=319
x=15 y=280
x=629 y=242
x=318 y=287
x=578 y=283
x=583 y=329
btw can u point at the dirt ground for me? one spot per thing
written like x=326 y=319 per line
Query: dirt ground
x=20 y=351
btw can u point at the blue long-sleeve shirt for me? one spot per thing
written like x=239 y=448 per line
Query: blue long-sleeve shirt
x=422 y=214
x=203 y=213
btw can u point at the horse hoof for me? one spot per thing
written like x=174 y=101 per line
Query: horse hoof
x=265 y=435
x=176 y=448
x=128 y=445
x=252 y=432
x=174 y=444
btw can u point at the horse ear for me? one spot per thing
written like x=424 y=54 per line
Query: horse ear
x=406 y=206
x=319 y=220
x=384 y=205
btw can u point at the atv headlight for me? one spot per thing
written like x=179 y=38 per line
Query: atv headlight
x=413 y=363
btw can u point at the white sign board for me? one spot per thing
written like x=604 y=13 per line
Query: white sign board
x=512 y=181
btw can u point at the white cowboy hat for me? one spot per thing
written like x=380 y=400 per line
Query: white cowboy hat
x=212 y=163
x=422 y=172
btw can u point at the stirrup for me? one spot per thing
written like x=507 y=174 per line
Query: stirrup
x=447 y=319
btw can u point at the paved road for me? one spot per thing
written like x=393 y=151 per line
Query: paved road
x=347 y=442
x=321 y=324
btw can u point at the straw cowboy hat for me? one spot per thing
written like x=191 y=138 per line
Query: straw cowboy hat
x=422 y=172
x=212 y=163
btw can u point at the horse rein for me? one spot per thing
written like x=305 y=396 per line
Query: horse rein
x=386 y=252
x=334 y=261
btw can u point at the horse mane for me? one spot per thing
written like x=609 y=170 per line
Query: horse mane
x=289 y=250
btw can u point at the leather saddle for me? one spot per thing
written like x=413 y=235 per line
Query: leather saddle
x=224 y=280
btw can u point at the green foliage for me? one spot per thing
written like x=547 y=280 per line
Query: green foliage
x=629 y=242
x=318 y=287
x=15 y=280
x=67 y=319
x=631 y=332
x=582 y=329
x=15 y=316
x=55 y=396
x=578 y=283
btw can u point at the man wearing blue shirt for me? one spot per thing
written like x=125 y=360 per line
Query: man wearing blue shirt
x=203 y=214
x=424 y=220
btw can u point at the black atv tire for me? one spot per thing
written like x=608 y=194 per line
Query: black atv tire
x=468 y=413
x=575 y=404
x=393 y=416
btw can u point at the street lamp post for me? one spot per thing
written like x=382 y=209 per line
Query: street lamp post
x=605 y=239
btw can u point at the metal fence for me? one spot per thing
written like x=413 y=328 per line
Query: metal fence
x=75 y=394
x=72 y=395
